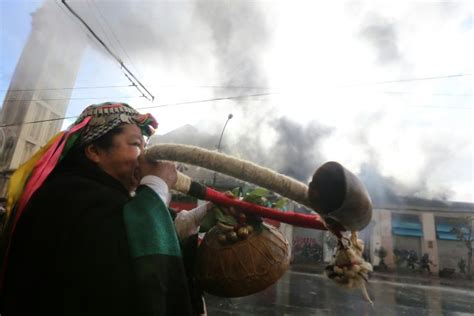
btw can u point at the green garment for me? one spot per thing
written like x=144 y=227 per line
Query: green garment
x=156 y=253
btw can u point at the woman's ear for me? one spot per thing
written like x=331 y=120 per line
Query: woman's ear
x=92 y=153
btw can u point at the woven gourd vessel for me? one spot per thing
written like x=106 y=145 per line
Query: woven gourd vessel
x=245 y=267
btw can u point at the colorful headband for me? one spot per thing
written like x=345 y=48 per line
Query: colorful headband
x=107 y=116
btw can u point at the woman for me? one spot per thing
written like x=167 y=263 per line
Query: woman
x=81 y=244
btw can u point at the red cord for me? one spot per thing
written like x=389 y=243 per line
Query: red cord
x=297 y=219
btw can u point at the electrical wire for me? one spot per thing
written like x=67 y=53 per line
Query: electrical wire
x=339 y=86
x=69 y=88
x=141 y=108
x=213 y=100
x=255 y=87
x=122 y=65
x=206 y=100
x=100 y=25
x=67 y=14
x=441 y=107
x=40 y=121
x=405 y=80
x=115 y=37
x=422 y=93
x=84 y=98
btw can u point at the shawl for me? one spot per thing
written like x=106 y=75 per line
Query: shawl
x=51 y=200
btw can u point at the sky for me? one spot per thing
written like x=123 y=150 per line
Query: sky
x=383 y=87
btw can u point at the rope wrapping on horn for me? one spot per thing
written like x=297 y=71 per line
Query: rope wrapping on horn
x=237 y=168
x=183 y=183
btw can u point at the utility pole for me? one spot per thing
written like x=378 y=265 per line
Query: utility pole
x=230 y=116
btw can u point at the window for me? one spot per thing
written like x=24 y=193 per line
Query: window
x=406 y=225
x=445 y=226
x=28 y=151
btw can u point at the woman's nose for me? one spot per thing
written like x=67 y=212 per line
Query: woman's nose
x=140 y=151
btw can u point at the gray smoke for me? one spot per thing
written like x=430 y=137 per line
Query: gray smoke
x=382 y=190
x=294 y=151
x=221 y=43
x=297 y=148
x=389 y=189
x=435 y=163
x=382 y=35
x=240 y=33
x=226 y=37
x=386 y=190
x=187 y=135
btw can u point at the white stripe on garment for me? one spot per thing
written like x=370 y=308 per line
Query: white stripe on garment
x=186 y=222
x=159 y=186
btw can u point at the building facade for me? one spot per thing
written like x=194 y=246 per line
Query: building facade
x=48 y=64
x=419 y=230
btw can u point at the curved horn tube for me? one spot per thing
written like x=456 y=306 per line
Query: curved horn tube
x=334 y=192
x=240 y=169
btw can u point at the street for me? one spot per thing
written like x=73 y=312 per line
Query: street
x=301 y=293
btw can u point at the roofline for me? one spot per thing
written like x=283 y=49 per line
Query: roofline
x=437 y=209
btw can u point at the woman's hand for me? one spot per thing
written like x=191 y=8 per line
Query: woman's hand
x=187 y=222
x=166 y=170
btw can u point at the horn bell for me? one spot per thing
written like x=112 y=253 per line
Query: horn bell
x=340 y=198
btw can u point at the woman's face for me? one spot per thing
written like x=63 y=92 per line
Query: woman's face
x=121 y=160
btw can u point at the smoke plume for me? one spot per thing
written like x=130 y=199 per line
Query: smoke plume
x=222 y=45
x=382 y=36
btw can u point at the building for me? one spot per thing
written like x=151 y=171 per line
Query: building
x=49 y=62
x=402 y=226
x=422 y=227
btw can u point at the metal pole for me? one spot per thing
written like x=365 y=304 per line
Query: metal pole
x=219 y=146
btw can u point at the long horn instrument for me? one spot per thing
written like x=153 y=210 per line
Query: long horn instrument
x=334 y=192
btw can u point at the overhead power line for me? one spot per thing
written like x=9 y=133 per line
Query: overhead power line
x=259 y=87
x=441 y=107
x=206 y=100
x=212 y=100
x=211 y=86
x=40 y=121
x=122 y=65
x=422 y=93
x=104 y=19
x=84 y=98
x=148 y=107
x=69 y=88
x=99 y=22
x=406 y=80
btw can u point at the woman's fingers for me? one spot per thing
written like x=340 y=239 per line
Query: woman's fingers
x=166 y=170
